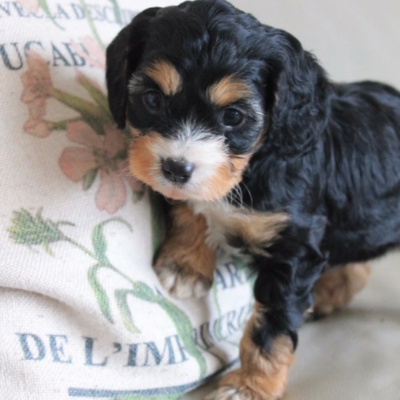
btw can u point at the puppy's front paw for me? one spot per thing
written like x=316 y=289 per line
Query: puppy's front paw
x=180 y=282
x=236 y=393
x=251 y=385
x=233 y=393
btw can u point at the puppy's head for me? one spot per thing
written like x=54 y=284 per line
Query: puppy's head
x=202 y=87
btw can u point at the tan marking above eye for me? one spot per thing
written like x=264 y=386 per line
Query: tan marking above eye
x=227 y=91
x=166 y=76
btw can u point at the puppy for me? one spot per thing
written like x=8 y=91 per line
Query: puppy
x=268 y=158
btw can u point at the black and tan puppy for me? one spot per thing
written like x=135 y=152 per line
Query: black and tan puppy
x=268 y=158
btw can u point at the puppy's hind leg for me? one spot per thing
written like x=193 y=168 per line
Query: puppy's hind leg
x=337 y=287
x=269 y=340
x=264 y=369
x=282 y=291
x=185 y=264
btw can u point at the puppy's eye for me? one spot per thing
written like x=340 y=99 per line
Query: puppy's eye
x=153 y=101
x=232 y=117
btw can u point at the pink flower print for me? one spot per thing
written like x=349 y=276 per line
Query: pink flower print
x=97 y=154
x=133 y=183
x=38 y=128
x=30 y=5
x=37 y=86
x=35 y=125
x=111 y=195
x=36 y=80
x=93 y=55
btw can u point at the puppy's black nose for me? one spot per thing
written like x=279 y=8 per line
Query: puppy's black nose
x=177 y=171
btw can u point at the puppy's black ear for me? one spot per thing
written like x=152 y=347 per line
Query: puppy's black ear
x=123 y=57
x=300 y=95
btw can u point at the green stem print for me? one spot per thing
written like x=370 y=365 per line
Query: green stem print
x=96 y=94
x=34 y=230
x=44 y=6
x=117 y=11
x=91 y=24
x=91 y=113
x=61 y=125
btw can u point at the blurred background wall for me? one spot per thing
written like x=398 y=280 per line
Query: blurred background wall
x=353 y=39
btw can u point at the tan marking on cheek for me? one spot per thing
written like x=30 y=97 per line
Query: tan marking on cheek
x=166 y=76
x=263 y=375
x=226 y=177
x=134 y=132
x=142 y=160
x=228 y=90
x=239 y=163
x=220 y=183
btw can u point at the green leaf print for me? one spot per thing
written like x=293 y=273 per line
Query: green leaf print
x=30 y=230
x=218 y=322
x=89 y=178
x=100 y=293
x=117 y=11
x=143 y=292
x=91 y=24
x=99 y=241
x=185 y=331
x=121 y=296
x=44 y=6
x=34 y=230
x=95 y=93
x=91 y=113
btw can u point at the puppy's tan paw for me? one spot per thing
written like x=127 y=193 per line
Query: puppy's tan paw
x=337 y=287
x=236 y=393
x=243 y=384
x=182 y=283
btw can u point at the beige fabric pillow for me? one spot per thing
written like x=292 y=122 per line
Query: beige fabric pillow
x=81 y=311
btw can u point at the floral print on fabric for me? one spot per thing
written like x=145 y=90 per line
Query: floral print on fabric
x=99 y=149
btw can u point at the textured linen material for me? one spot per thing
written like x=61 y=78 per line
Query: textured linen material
x=82 y=313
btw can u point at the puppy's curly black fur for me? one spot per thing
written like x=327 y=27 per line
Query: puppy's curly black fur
x=326 y=156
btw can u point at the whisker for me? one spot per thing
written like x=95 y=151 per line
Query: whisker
x=239 y=193
x=239 y=189
x=250 y=195
x=124 y=170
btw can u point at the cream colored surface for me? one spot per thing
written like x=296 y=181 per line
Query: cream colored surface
x=354 y=354
x=82 y=313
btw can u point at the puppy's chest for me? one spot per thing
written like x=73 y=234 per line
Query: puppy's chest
x=239 y=231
